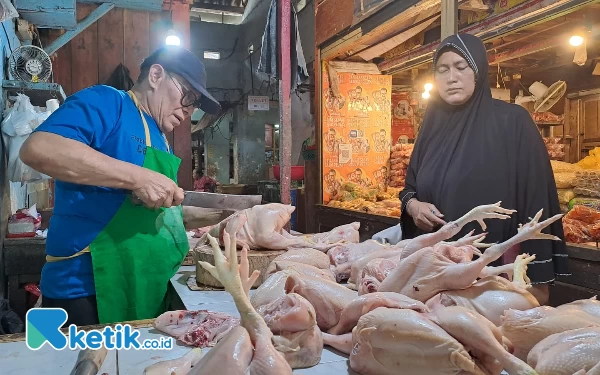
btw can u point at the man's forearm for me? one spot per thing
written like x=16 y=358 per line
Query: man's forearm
x=72 y=161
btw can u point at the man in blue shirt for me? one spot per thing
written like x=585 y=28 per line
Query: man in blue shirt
x=109 y=258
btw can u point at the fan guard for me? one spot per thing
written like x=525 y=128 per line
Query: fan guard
x=30 y=63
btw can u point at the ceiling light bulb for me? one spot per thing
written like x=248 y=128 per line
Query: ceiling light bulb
x=576 y=40
x=172 y=39
x=426 y=95
x=428 y=86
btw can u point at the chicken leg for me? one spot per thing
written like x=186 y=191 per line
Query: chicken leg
x=462 y=275
x=266 y=359
x=449 y=230
x=428 y=272
x=177 y=366
x=479 y=334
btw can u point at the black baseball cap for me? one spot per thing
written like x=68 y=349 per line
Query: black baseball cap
x=179 y=60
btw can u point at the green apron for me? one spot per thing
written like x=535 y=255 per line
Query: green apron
x=139 y=251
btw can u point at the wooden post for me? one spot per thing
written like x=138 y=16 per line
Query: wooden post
x=284 y=10
x=182 y=135
x=449 y=16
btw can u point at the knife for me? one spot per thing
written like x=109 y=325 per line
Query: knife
x=215 y=200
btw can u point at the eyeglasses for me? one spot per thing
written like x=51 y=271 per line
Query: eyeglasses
x=188 y=97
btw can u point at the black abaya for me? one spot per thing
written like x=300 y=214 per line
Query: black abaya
x=482 y=152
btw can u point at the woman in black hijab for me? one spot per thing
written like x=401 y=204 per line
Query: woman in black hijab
x=474 y=150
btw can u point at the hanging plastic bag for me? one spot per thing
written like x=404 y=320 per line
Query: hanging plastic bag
x=19 y=122
x=7 y=10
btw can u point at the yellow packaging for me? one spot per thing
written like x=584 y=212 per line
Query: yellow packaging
x=565 y=196
x=564 y=180
x=561 y=166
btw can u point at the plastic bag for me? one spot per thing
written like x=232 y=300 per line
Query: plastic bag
x=7 y=10
x=592 y=161
x=19 y=122
x=593 y=203
x=561 y=166
x=564 y=180
x=565 y=195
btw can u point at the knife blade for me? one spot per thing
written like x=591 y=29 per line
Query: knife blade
x=221 y=201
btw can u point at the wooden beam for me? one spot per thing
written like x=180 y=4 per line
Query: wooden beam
x=517 y=18
x=449 y=18
x=543 y=45
x=66 y=37
x=57 y=14
x=381 y=25
x=284 y=10
x=149 y=5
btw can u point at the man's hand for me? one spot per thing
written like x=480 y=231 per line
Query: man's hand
x=156 y=190
x=425 y=215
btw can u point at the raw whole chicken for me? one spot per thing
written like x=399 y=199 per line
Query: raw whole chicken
x=374 y=273
x=359 y=264
x=177 y=366
x=247 y=349
x=200 y=328
x=344 y=233
x=525 y=329
x=452 y=340
x=261 y=227
x=590 y=306
x=292 y=319
x=367 y=303
x=272 y=288
x=327 y=297
x=308 y=256
x=303 y=269
x=428 y=272
x=378 y=269
x=343 y=256
x=492 y=295
x=572 y=352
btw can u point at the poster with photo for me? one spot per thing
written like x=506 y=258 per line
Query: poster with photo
x=403 y=115
x=356 y=131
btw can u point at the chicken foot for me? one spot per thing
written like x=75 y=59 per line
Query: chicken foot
x=520 y=277
x=462 y=275
x=449 y=230
x=266 y=359
x=497 y=271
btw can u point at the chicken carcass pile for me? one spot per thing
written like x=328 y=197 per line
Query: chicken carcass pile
x=432 y=306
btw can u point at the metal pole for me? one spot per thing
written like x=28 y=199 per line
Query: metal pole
x=284 y=10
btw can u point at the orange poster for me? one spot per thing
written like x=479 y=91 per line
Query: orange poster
x=356 y=129
x=403 y=115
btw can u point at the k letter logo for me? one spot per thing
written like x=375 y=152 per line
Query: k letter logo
x=43 y=325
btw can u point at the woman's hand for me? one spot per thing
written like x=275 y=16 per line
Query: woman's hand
x=425 y=215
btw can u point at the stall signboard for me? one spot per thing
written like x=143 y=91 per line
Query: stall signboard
x=403 y=115
x=356 y=126
x=258 y=103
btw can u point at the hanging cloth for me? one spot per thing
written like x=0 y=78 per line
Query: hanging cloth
x=269 y=50
x=120 y=78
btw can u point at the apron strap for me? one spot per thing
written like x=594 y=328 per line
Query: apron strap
x=52 y=259
x=146 y=129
